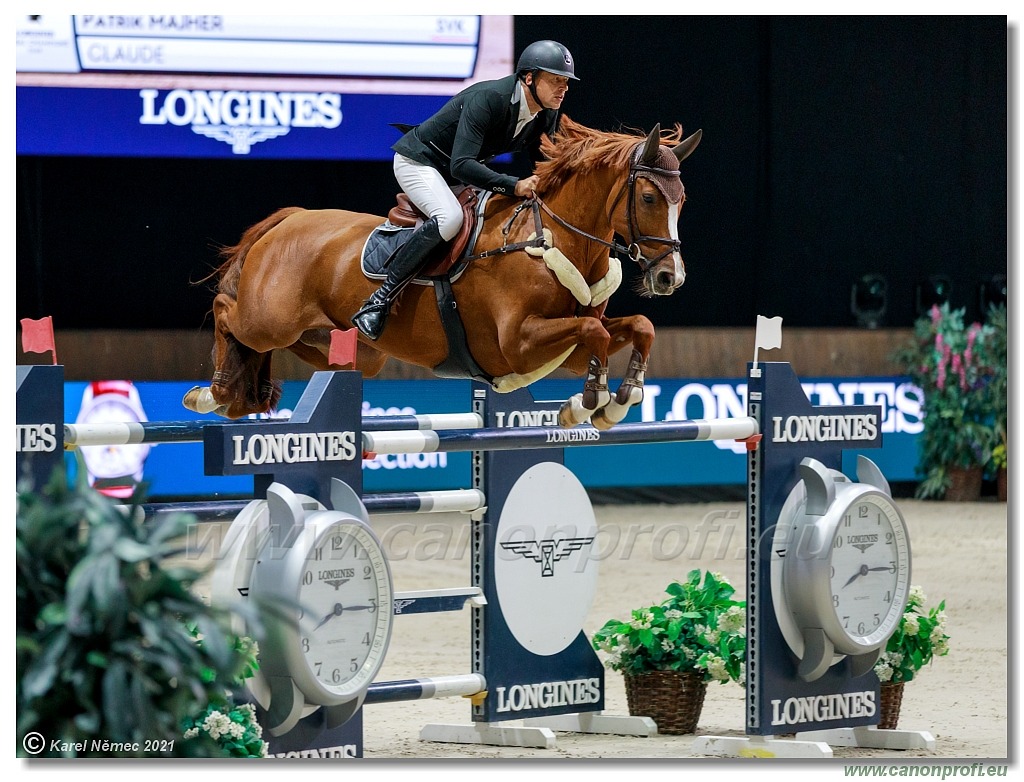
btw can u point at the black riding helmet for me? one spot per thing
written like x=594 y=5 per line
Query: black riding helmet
x=548 y=56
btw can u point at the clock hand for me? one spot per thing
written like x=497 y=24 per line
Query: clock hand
x=336 y=611
x=853 y=578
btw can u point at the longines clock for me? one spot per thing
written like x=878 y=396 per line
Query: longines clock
x=844 y=580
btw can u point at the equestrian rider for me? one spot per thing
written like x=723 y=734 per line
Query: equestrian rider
x=486 y=119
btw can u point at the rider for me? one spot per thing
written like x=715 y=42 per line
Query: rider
x=486 y=119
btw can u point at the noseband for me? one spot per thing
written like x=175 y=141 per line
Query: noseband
x=632 y=249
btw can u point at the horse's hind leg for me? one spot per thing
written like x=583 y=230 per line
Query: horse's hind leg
x=241 y=382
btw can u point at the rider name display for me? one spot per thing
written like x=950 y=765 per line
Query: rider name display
x=208 y=86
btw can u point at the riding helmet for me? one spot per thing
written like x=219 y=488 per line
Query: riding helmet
x=548 y=56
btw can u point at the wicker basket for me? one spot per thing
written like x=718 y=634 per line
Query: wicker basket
x=673 y=699
x=889 y=708
x=964 y=484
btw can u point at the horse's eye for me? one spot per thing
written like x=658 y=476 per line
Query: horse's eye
x=648 y=198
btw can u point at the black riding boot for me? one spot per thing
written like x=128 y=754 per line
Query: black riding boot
x=409 y=259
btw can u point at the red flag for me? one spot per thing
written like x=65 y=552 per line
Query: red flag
x=343 y=348
x=37 y=336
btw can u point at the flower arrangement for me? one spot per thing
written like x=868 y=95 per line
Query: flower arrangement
x=954 y=366
x=232 y=726
x=699 y=628
x=920 y=637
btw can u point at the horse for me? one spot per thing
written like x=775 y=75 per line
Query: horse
x=531 y=300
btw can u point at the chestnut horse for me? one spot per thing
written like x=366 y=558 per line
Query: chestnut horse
x=296 y=276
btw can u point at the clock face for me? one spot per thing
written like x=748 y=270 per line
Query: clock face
x=869 y=578
x=113 y=461
x=345 y=594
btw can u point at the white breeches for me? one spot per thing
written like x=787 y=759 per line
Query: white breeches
x=427 y=189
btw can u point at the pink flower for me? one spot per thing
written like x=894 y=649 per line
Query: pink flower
x=944 y=352
x=958 y=367
x=936 y=314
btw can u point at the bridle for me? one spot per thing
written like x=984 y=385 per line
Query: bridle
x=632 y=250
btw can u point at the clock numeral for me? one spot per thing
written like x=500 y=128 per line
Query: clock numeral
x=366 y=639
x=889 y=537
x=892 y=566
x=367 y=572
x=307 y=578
x=860 y=628
x=373 y=605
x=863 y=510
x=838 y=541
x=888 y=597
x=835 y=601
x=337 y=542
x=353 y=665
x=318 y=554
x=305 y=646
x=336 y=675
x=847 y=520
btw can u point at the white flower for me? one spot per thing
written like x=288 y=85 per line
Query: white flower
x=191 y=733
x=712 y=636
x=883 y=671
x=216 y=724
x=913 y=623
x=667 y=645
x=735 y=618
x=716 y=667
x=673 y=613
x=917 y=595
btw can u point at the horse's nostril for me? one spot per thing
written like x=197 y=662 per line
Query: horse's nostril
x=665 y=279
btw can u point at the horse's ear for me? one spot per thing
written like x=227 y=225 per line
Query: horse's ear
x=650 y=154
x=683 y=149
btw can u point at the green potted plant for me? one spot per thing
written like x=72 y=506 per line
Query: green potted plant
x=107 y=662
x=949 y=361
x=995 y=356
x=920 y=637
x=669 y=652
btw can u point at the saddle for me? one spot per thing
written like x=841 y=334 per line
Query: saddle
x=405 y=214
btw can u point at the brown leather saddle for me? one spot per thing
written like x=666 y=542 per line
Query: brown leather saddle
x=405 y=214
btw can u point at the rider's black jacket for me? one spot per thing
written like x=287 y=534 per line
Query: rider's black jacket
x=474 y=126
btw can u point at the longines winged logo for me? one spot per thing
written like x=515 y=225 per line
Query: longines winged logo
x=399 y=605
x=241 y=138
x=547 y=552
x=337 y=583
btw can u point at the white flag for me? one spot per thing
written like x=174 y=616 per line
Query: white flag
x=769 y=333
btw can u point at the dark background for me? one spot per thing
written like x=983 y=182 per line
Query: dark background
x=833 y=147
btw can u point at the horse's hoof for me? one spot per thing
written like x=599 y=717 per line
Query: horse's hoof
x=199 y=399
x=601 y=421
x=572 y=412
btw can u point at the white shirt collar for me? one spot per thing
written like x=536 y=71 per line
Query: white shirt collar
x=524 y=108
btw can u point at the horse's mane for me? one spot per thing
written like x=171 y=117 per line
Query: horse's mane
x=577 y=149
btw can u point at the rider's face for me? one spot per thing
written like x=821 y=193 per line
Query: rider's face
x=551 y=89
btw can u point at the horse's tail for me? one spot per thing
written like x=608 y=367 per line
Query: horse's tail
x=234 y=257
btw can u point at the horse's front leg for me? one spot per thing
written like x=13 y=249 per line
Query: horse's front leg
x=638 y=331
x=538 y=340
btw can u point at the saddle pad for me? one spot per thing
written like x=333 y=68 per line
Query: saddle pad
x=386 y=238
